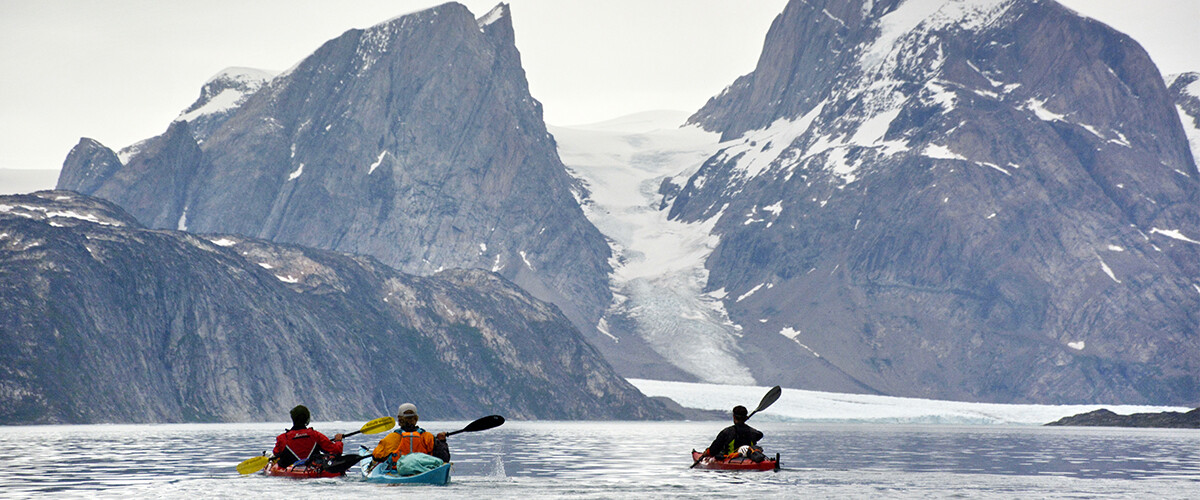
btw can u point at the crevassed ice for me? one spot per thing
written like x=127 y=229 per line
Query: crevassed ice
x=658 y=266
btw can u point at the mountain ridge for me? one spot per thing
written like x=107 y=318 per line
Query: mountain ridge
x=414 y=140
x=937 y=199
x=107 y=321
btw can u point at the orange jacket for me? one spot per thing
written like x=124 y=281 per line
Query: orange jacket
x=401 y=443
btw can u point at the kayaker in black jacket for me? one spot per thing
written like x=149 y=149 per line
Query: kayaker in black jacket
x=731 y=439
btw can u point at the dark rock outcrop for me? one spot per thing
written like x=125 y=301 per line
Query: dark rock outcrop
x=1106 y=418
x=102 y=320
x=985 y=201
x=415 y=141
x=154 y=185
x=88 y=166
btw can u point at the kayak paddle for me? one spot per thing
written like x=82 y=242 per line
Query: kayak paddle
x=381 y=424
x=482 y=424
x=250 y=466
x=768 y=399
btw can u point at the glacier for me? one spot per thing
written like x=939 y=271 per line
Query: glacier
x=797 y=405
x=658 y=276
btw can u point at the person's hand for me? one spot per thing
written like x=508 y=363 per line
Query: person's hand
x=441 y=436
x=338 y=436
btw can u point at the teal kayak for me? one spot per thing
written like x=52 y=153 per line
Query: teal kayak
x=439 y=476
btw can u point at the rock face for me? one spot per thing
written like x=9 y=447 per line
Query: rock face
x=102 y=320
x=987 y=201
x=415 y=141
x=1106 y=418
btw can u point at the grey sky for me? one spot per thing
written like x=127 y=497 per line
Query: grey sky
x=120 y=70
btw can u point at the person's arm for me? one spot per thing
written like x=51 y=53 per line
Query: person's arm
x=717 y=448
x=440 y=448
x=331 y=447
x=279 y=444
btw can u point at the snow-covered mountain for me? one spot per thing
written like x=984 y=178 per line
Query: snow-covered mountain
x=989 y=200
x=415 y=141
x=221 y=96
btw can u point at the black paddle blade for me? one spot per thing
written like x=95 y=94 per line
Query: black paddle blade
x=484 y=423
x=343 y=463
x=767 y=400
x=770 y=399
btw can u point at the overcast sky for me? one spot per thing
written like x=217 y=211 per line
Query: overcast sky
x=120 y=70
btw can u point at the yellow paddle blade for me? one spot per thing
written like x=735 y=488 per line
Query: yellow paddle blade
x=381 y=424
x=253 y=465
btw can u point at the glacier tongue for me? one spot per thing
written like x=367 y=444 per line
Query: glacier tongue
x=659 y=274
x=796 y=405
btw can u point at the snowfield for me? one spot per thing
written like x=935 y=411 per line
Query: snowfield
x=797 y=405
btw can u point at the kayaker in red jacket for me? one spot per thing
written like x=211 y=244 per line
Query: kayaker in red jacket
x=737 y=439
x=301 y=442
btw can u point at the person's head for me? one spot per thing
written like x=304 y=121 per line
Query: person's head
x=300 y=416
x=407 y=414
x=739 y=414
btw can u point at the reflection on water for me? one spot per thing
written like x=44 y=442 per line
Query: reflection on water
x=615 y=459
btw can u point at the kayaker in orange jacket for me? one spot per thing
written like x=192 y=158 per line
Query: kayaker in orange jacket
x=737 y=439
x=301 y=442
x=410 y=439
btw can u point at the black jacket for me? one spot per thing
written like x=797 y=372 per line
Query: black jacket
x=734 y=436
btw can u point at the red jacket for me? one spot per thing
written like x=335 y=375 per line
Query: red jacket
x=301 y=443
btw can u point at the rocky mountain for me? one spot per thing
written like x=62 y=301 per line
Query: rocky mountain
x=103 y=320
x=1106 y=418
x=415 y=141
x=990 y=201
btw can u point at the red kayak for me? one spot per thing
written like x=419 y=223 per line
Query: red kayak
x=739 y=463
x=299 y=471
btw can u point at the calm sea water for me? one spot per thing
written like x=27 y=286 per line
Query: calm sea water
x=530 y=460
